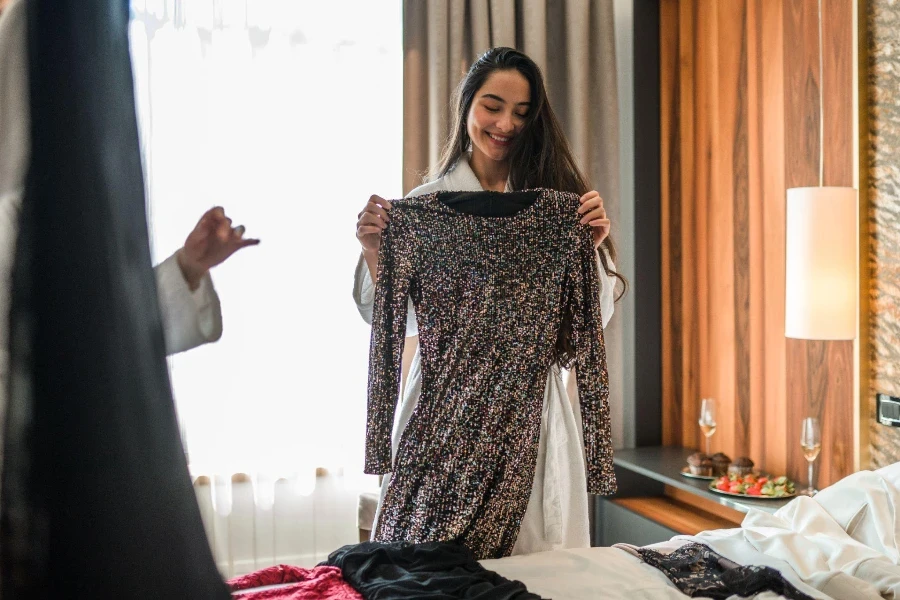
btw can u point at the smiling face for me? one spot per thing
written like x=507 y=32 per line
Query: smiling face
x=497 y=115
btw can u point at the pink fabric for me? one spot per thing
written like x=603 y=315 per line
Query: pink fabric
x=320 y=583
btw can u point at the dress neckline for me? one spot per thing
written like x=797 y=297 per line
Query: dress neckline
x=540 y=195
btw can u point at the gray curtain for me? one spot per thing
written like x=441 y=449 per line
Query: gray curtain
x=573 y=41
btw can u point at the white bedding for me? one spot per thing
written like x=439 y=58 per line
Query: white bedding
x=844 y=544
x=582 y=573
x=588 y=573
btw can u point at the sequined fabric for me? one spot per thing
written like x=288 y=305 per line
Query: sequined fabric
x=489 y=294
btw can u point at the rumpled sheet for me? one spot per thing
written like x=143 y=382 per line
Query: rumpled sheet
x=840 y=545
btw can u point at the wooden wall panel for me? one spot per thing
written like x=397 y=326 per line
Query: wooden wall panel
x=838 y=85
x=741 y=125
x=772 y=171
x=670 y=175
x=829 y=365
x=696 y=178
x=734 y=135
x=801 y=123
x=755 y=311
x=699 y=212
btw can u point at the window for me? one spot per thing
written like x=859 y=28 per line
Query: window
x=288 y=113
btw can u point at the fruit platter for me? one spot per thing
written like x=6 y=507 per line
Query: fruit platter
x=754 y=485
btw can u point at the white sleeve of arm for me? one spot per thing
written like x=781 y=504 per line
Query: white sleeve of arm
x=190 y=319
x=364 y=296
x=607 y=289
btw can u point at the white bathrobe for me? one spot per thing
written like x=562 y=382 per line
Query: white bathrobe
x=557 y=512
x=189 y=318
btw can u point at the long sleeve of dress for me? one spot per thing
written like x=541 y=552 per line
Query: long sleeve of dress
x=386 y=352
x=364 y=296
x=590 y=367
x=189 y=319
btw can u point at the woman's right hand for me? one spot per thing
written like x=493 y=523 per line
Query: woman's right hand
x=372 y=221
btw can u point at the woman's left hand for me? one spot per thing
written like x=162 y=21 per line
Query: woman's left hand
x=594 y=214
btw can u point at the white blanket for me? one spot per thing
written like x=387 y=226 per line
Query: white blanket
x=588 y=573
x=841 y=544
x=844 y=544
x=583 y=573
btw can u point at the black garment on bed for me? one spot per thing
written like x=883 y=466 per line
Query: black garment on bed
x=699 y=572
x=432 y=571
x=96 y=497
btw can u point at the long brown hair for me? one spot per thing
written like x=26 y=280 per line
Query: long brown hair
x=540 y=155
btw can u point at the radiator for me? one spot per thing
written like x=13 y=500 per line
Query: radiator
x=295 y=526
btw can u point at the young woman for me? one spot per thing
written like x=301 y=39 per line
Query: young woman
x=505 y=137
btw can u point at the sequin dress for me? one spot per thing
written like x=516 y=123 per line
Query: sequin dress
x=489 y=295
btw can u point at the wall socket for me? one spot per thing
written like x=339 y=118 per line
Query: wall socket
x=888 y=410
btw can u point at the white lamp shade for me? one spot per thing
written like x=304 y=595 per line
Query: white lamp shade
x=821 y=290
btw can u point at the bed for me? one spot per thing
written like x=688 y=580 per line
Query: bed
x=844 y=544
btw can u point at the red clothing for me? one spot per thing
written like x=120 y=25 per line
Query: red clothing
x=319 y=583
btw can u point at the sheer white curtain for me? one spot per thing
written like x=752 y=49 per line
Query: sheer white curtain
x=287 y=113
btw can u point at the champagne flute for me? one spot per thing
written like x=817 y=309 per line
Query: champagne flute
x=707 y=419
x=811 y=442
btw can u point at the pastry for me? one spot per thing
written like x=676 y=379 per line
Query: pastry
x=741 y=466
x=700 y=464
x=720 y=462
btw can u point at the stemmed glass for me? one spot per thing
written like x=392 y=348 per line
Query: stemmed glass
x=707 y=419
x=811 y=443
